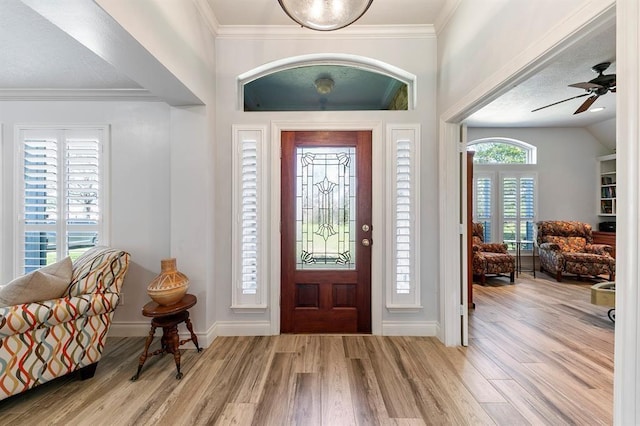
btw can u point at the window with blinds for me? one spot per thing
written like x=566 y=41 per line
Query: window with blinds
x=504 y=202
x=249 y=217
x=62 y=187
x=403 y=185
x=518 y=208
x=249 y=213
x=483 y=203
x=403 y=217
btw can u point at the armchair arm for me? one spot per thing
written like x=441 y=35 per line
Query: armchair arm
x=602 y=249
x=549 y=246
x=28 y=316
x=493 y=247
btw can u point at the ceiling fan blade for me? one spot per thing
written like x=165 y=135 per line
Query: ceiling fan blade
x=586 y=104
x=559 y=102
x=586 y=85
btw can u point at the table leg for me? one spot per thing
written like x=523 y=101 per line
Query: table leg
x=194 y=338
x=173 y=346
x=145 y=353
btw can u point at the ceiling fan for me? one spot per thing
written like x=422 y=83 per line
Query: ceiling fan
x=596 y=87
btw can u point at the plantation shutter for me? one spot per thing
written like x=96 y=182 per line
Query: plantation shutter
x=82 y=192
x=483 y=203
x=518 y=208
x=527 y=210
x=40 y=202
x=403 y=250
x=250 y=218
x=61 y=193
x=403 y=217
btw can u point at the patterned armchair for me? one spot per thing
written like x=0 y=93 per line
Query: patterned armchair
x=44 y=340
x=490 y=258
x=567 y=248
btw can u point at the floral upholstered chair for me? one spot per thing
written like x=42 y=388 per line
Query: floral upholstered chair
x=490 y=258
x=567 y=248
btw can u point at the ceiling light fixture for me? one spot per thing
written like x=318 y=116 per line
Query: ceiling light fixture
x=324 y=85
x=325 y=15
x=597 y=109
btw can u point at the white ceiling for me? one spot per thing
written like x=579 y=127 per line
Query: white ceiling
x=551 y=84
x=36 y=54
x=381 y=12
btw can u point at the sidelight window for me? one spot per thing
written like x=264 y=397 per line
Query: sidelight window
x=249 y=212
x=403 y=210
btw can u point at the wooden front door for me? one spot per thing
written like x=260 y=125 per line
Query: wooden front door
x=326 y=232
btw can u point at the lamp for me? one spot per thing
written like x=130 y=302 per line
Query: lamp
x=325 y=15
x=324 y=85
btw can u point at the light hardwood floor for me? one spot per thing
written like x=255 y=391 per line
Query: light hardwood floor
x=539 y=353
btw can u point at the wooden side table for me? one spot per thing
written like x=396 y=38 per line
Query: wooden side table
x=519 y=244
x=168 y=317
x=600 y=237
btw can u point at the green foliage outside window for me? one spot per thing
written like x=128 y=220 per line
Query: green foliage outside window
x=498 y=153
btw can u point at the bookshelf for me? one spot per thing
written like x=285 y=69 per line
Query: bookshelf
x=607 y=185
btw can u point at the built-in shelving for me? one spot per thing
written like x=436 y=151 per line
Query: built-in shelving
x=607 y=185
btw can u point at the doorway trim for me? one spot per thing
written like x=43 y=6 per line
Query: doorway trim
x=378 y=212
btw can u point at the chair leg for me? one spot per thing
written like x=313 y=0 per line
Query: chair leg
x=483 y=279
x=512 y=277
x=612 y=277
x=88 y=371
x=559 y=276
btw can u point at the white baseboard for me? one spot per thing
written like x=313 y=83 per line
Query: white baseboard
x=263 y=328
x=129 y=329
x=413 y=328
x=141 y=329
x=242 y=328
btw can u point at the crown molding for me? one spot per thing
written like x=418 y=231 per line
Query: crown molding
x=208 y=16
x=447 y=11
x=77 y=95
x=352 y=32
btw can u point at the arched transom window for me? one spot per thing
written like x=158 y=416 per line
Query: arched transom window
x=326 y=82
x=502 y=151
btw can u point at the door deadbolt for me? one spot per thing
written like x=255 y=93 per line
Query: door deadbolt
x=365 y=228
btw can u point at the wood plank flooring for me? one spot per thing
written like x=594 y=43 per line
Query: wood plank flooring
x=539 y=353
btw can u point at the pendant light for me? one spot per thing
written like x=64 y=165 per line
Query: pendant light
x=325 y=15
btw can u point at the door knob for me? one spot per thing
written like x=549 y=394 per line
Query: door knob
x=366 y=242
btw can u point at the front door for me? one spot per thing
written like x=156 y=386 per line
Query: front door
x=326 y=232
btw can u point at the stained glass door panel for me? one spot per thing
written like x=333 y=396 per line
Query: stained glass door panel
x=325 y=208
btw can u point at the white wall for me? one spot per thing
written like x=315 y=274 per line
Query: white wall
x=413 y=54
x=605 y=132
x=140 y=181
x=177 y=34
x=566 y=169
x=485 y=42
